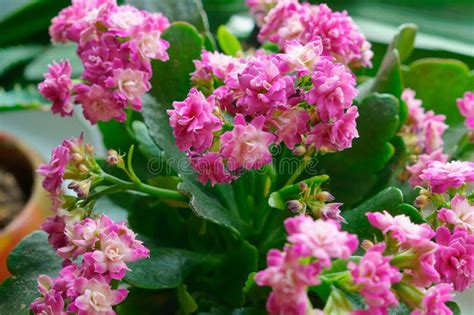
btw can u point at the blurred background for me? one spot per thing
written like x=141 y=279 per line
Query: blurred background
x=446 y=30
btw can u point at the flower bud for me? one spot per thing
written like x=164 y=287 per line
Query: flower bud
x=89 y=148
x=324 y=196
x=421 y=201
x=294 y=206
x=299 y=151
x=77 y=157
x=81 y=188
x=113 y=158
x=366 y=245
x=83 y=169
x=303 y=186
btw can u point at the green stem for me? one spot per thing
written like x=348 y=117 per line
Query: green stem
x=144 y=188
x=303 y=164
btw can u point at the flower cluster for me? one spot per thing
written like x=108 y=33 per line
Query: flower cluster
x=311 y=246
x=72 y=160
x=290 y=20
x=115 y=44
x=300 y=98
x=86 y=288
x=423 y=136
x=466 y=108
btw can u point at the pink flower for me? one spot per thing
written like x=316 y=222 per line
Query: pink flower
x=433 y=128
x=333 y=91
x=337 y=136
x=375 y=276
x=320 y=239
x=466 y=108
x=416 y=113
x=289 y=280
x=283 y=23
x=81 y=237
x=55 y=226
x=263 y=85
x=331 y=211
x=115 y=250
x=461 y=214
x=303 y=57
x=246 y=146
x=341 y=36
x=434 y=301
x=400 y=227
x=146 y=37
x=210 y=167
x=53 y=172
x=214 y=63
x=124 y=18
x=260 y=8
x=74 y=20
x=423 y=161
x=455 y=257
x=51 y=303
x=99 y=104
x=289 y=126
x=193 y=122
x=131 y=85
x=57 y=87
x=95 y=297
x=442 y=176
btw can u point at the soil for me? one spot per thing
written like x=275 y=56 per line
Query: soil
x=12 y=198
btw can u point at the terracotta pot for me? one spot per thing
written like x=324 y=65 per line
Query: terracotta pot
x=22 y=162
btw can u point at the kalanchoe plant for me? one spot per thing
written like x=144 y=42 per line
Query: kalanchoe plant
x=254 y=181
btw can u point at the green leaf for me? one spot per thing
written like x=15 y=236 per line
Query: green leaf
x=204 y=204
x=30 y=21
x=370 y=153
x=190 y=11
x=21 y=99
x=16 y=55
x=186 y=302
x=171 y=79
x=145 y=143
x=36 y=69
x=31 y=257
x=391 y=200
x=454 y=307
x=229 y=44
x=404 y=40
x=166 y=268
x=389 y=79
x=438 y=82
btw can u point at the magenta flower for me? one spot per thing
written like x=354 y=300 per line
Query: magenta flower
x=423 y=161
x=146 y=37
x=131 y=85
x=289 y=126
x=433 y=128
x=57 y=87
x=320 y=239
x=289 y=280
x=99 y=104
x=375 y=276
x=246 y=146
x=442 y=176
x=55 y=226
x=193 y=122
x=337 y=136
x=434 y=301
x=455 y=257
x=51 y=303
x=95 y=296
x=331 y=211
x=333 y=91
x=214 y=64
x=466 y=108
x=210 y=167
x=400 y=227
x=53 y=172
x=416 y=113
x=303 y=57
x=263 y=86
x=461 y=214
x=260 y=8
